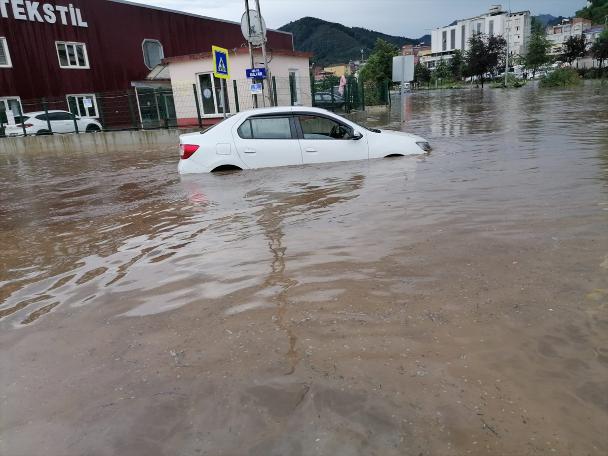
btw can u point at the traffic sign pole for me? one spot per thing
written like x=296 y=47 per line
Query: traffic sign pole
x=223 y=98
x=269 y=75
x=255 y=97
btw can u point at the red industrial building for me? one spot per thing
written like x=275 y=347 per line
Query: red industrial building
x=76 y=53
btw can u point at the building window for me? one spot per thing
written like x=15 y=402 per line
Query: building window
x=153 y=53
x=83 y=105
x=453 y=39
x=491 y=28
x=444 y=41
x=462 y=38
x=294 y=87
x=479 y=27
x=211 y=94
x=72 y=55
x=10 y=110
x=5 y=57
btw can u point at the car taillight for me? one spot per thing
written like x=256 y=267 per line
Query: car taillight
x=26 y=125
x=188 y=150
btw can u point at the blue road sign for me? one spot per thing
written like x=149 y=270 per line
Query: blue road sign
x=221 y=68
x=256 y=73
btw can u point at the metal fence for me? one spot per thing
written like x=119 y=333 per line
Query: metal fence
x=156 y=105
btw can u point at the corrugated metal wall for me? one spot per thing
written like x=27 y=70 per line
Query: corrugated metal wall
x=114 y=39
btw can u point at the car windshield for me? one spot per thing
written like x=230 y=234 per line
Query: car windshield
x=21 y=119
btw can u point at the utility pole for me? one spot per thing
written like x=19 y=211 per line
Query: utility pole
x=255 y=97
x=508 y=28
x=268 y=74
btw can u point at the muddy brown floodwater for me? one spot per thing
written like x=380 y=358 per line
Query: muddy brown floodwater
x=447 y=305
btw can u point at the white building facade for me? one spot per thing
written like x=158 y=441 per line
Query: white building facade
x=193 y=75
x=514 y=27
x=559 y=34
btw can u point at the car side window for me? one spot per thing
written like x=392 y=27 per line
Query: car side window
x=244 y=130
x=316 y=127
x=266 y=128
x=42 y=117
x=60 y=116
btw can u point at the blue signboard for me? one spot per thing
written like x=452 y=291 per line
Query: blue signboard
x=256 y=73
x=220 y=63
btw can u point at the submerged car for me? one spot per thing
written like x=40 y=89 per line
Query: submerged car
x=286 y=136
x=38 y=123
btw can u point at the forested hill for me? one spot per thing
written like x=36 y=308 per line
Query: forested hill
x=335 y=43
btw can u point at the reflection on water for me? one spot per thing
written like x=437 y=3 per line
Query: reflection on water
x=484 y=261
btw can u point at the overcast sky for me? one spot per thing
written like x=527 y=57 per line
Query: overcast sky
x=411 y=18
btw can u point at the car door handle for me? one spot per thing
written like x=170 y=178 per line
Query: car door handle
x=311 y=150
x=249 y=151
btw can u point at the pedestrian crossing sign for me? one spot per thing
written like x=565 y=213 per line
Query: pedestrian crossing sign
x=221 y=67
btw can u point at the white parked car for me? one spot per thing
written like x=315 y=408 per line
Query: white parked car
x=286 y=136
x=37 y=123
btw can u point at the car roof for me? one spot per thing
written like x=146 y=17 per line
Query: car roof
x=37 y=113
x=283 y=110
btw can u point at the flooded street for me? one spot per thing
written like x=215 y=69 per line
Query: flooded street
x=445 y=305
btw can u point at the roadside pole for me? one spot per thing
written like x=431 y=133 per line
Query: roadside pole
x=222 y=83
x=402 y=102
x=221 y=70
x=508 y=33
x=268 y=73
x=251 y=57
x=403 y=71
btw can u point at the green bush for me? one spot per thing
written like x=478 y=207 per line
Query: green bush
x=512 y=82
x=593 y=73
x=562 y=77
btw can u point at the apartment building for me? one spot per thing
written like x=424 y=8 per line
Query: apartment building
x=515 y=27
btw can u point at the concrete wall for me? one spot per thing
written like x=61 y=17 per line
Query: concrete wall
x=94 y=143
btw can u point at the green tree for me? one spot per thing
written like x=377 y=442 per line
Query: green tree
x=597 y=12
x=599 y=50
x=538 y=52
x=537 y=26
x=457 y=65
x=496 y=53
x=379 y=65
x=422 y=74
x=573 y=48
x=442 y=71
x=485 y=55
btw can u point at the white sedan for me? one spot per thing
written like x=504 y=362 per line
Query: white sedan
x=286 y=136
x=43 y=123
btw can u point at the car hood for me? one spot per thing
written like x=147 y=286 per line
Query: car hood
x=402 y=134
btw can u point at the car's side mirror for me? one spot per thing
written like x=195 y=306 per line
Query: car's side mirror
x=356 y=136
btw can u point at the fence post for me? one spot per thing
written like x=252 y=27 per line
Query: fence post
x=165 y=110
x=45 y=105
x=236 y=95
x=333 y=98
x=274 y=90
x=100 y=110
x=312 y=88
x=155 y=93
x=362 y=96
x=75 y=123
x=132 y=109
x=22 y=121
x=198 y=107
